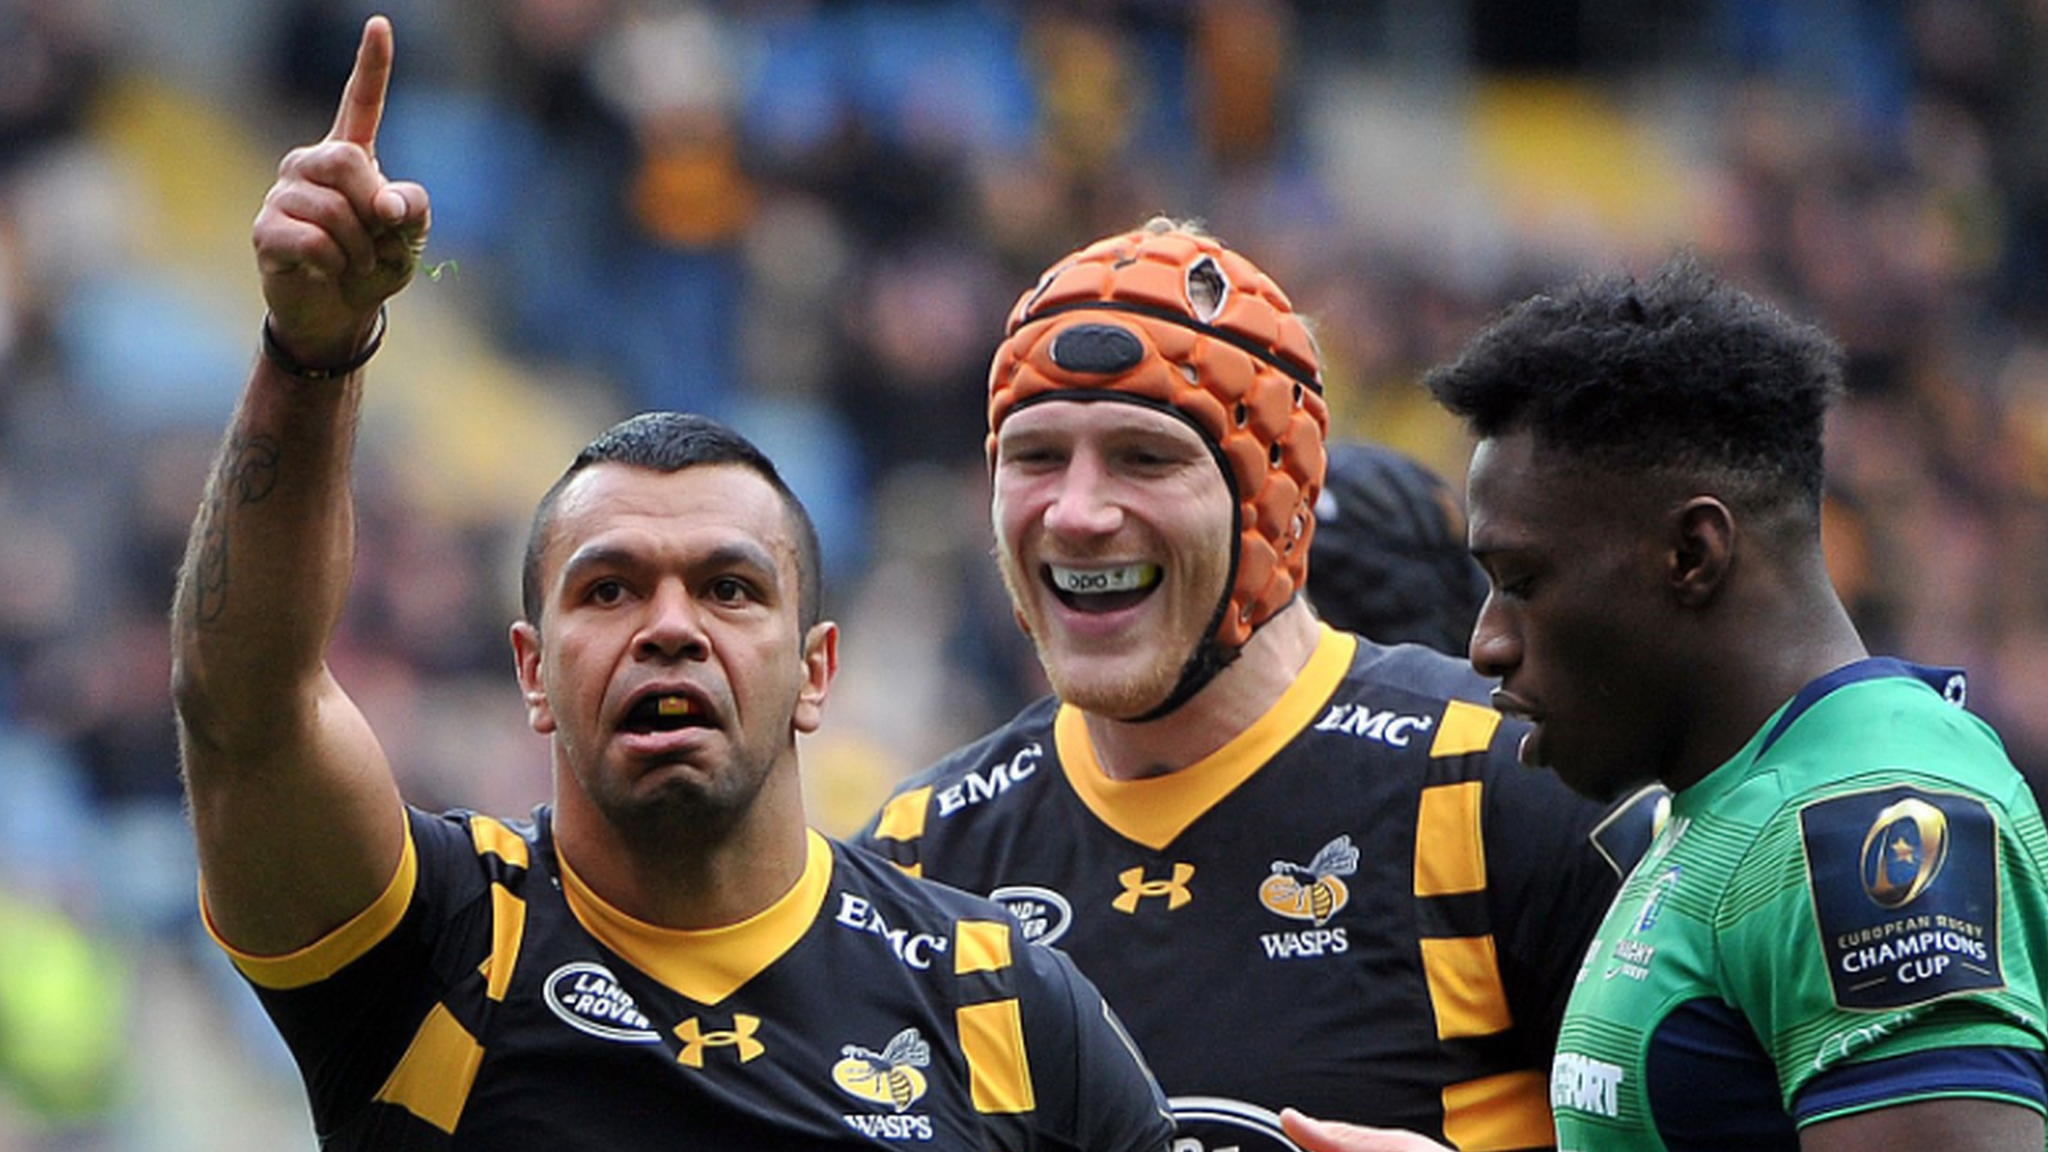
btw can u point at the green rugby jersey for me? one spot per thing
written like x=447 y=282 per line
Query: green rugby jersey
x=1363 y=906
x=1849 y=914
x=489 y=1000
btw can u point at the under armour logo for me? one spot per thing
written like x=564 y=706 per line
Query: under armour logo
x=1136 y=888
x=740 y=1035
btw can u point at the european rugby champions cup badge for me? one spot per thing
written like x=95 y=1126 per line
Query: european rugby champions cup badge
x=1905 y=888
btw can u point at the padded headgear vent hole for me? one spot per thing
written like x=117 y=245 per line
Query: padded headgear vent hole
x=1208 y=289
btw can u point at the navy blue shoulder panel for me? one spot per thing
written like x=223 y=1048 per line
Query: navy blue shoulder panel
x=1951 y=683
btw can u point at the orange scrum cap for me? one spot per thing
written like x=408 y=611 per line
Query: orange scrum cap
x=1172 y=319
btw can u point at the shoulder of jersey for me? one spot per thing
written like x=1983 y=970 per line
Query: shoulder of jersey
x=1032 y=725
x=1421 y=670
x=872 y=875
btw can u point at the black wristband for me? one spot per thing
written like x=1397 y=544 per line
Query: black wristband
x=282 y=360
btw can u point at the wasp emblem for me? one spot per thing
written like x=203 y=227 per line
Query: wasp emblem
x=888 y=1077
x=1314 y=891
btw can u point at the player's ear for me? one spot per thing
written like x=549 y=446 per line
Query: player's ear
x=821 y=664
x=540 y=714
x=1702 y=549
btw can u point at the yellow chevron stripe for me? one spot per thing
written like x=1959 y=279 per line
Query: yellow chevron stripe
x=433 y=1078
x=508 y=930
x=903 y=817
x=1494 y=1113
x=1465 y=728
x=992 y=1039
x=1464 y=986
x=1450 y=851
x=494 y=838
x=980 y=946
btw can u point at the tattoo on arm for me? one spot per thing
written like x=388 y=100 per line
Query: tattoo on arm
x=247 y=475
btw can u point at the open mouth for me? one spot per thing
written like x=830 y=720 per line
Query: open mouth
x=665 y=712
x=1102 y=589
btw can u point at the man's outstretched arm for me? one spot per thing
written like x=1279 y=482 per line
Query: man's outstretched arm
x=297 y=816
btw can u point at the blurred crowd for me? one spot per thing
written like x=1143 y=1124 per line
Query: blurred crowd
x=809 y=217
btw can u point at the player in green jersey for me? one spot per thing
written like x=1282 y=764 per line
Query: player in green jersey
x=1835 y=941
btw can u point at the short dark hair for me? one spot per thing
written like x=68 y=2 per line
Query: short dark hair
x=1684 y=374
x=671 y=442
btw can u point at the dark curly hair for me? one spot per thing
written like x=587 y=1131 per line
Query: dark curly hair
x=1684 y=374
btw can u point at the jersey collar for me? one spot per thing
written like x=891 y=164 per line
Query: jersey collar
x=1154 y=810
x=1950 y=682
x=709 y=964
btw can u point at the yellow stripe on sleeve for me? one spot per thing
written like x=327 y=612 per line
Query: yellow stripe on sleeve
x=493 y=838
x=508 y=931
x=1465 y=728
x=992 y=1039
x=433 y=1078
x=1450 y=854
x=338 y=949
x=1464 y=986
x=980 y=946
x=1493 y=1113
x=903 y=816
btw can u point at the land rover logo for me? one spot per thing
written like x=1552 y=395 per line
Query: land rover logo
x=1043 y=913
x=588 y=997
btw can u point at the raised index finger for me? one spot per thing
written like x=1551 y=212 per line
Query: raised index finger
x=362 y=102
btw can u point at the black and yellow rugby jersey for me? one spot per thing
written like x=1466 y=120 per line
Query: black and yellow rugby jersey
x=490 y=1001
x=1363 y=906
